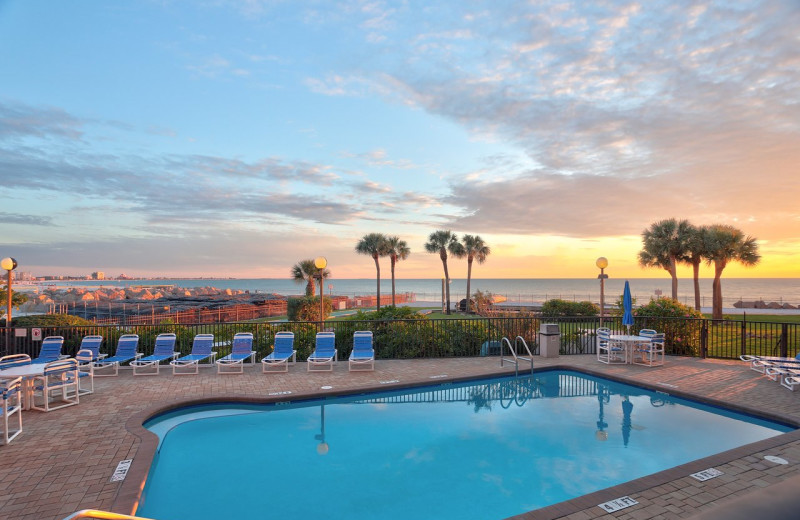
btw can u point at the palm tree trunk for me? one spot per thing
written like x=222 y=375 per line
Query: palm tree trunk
x=394 y=261
x=673 y=271
x=378 y=270
x=696 y=274
x=311 y=288
x=446 y=282
x=469 y=277
x=716 y=310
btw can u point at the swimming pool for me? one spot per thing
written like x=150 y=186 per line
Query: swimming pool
x=482 y=450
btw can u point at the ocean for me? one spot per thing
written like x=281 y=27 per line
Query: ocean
x=522 y=290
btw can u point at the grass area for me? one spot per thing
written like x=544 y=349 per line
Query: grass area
x=765 y=318
x=438 y=315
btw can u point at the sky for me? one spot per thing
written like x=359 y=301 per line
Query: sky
x=238 y=137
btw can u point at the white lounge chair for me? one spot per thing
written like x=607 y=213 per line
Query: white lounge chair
x=791 y=381
x=201 y=351
x=11 y=402
x=363 y=355
x=282 y=352
x=650 y=354
x=609 y=352
x=786 y=375
x=325 y=354
x=647 y=333
x=760 y=363
x=58 y=378
x=85 y=359
x=14 y=360
x=241 y=351
x=163 y=350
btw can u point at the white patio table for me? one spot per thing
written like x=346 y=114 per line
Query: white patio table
x=27 y=372
x=630 y=341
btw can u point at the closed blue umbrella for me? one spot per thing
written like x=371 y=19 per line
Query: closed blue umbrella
x=627 y=305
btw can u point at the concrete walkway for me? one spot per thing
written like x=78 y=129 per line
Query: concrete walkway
x=64 y=459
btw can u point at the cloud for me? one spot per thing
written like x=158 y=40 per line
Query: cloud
x=626 y=113
x=20 y=120
x=29 y=220
x=379 y=157
x=215 y=66
x=719 y=189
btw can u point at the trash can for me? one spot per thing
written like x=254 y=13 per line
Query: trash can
x=549 y=340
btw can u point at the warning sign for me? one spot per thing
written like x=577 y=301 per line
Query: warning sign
x=36 y=334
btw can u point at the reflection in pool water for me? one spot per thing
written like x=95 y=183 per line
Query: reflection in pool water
x=481 y=450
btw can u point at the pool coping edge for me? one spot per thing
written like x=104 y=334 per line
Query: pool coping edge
x=129 y=493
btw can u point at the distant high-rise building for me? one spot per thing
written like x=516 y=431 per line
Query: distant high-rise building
x=98 y=275
x=23 y=276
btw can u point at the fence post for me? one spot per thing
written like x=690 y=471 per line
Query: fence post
x=784 y=340
x=744 y=338
x=704 y=339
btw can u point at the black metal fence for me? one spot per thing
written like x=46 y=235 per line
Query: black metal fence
x=438 y=338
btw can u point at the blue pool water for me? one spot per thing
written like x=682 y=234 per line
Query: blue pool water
x=483 y=450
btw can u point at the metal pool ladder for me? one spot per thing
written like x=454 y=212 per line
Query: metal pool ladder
x=515 y=359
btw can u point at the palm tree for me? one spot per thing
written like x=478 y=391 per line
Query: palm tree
x=693 y=255
x=662 y=244
x=725 y=244
x=374 y=245
x=475 y=249
x=306 y=271
x=397 y=250
x=443 y=242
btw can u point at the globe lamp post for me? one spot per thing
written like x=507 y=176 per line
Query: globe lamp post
x=322 y=447
x=321 y=263
x=9 y=264
x=602 y=263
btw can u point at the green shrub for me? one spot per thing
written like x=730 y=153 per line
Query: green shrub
x=555 y=308
x=682 y=335
x=51 y=320
x=389 y=312
x=306 y=308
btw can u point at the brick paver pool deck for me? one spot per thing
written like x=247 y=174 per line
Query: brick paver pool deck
x=63 y=460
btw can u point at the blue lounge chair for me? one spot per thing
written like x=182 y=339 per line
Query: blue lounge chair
x=241 y=351
x=126 y=351
x=11 y=404
x=282 y=351
x=51 y=349
x=164 y=350
x=92 y=344
x=325 y=354
x=201 y=351
x=363 y=355
x=58 y=378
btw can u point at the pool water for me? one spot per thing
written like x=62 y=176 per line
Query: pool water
x=483 y=450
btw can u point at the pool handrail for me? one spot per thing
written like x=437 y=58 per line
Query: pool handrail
x=96 y=514
x=516 y=359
